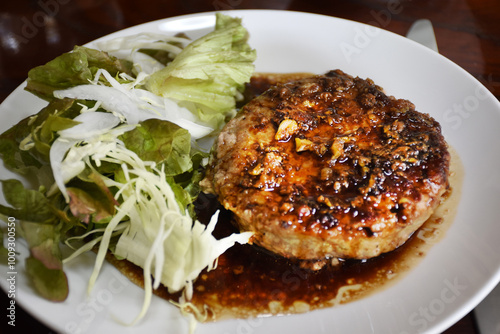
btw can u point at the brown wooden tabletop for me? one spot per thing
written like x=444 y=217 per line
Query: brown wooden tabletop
x=33 y=32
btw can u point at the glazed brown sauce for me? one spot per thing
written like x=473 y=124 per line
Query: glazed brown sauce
x=248 y=281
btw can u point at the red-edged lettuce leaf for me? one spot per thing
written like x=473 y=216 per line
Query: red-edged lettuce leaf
x=4 y=252
x=170 y=147
x=73 y=69
x=26 y=204
x=51 y=284
x=43 y=227
x=91 y=201
x=35 y=134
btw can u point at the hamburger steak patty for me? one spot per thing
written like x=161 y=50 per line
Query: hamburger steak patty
x=329 y=166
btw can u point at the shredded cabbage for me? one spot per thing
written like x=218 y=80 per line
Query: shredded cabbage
x=68 y=152
x=124 y=129
x=134 y=105
x=154 y=232
x=128 y=47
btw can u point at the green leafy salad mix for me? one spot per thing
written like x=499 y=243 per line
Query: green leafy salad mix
x=114 y=156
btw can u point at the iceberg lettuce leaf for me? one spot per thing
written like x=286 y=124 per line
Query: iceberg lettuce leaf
x=209 y=72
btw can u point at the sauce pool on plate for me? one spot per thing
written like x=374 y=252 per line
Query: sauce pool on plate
x=250 y=281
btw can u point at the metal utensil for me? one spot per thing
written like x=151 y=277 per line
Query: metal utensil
x=421 y=31
x=487 y=313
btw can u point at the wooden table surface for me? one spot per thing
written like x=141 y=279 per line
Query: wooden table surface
x=33 y=32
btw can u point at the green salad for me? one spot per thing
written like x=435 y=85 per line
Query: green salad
x=114 y=157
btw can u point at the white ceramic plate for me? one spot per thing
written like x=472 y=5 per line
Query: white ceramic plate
x=458 y=272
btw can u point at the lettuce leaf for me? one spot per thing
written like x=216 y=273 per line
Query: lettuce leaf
x=42 y=226
x=26 y=204
x=27 y=144
x=162 y=142
x=44 y=265
x=90 y=200
x=169 y=146
x=4 y=252
x=72 y=69
x=52 y=284
x=210 y=72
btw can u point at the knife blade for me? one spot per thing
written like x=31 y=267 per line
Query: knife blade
x=422 y=31
x=487 y=313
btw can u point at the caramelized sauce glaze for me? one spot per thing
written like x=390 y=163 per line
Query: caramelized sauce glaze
x=249 y=281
